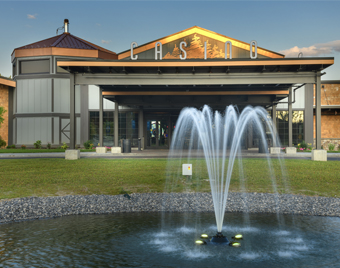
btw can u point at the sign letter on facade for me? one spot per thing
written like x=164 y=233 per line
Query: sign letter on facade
x=184 y=52
x=159 y=52
x=133 y=57
x=253 y=43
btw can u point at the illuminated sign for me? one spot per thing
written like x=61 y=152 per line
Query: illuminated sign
x=183 y=52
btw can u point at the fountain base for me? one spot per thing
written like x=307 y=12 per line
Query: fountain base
x=219 y=238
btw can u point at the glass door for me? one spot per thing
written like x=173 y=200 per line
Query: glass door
x=157 y=132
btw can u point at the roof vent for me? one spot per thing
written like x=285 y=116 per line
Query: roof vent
x=66 y=27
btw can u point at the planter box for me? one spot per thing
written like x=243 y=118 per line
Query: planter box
x=72 y=154
x=101 y=150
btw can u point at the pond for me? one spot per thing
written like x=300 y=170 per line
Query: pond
x=168 y=240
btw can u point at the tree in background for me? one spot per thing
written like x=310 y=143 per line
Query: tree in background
x=2 y=111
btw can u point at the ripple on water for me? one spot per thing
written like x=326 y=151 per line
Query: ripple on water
x=185 y=230
x=196 y=254
x=286 y=254
x=250 y=255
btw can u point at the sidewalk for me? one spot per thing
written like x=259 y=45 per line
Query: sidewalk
x=159 y=153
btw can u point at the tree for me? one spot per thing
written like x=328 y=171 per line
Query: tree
x=2 y=111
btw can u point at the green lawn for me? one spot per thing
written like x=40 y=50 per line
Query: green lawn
x=15 y=151
x=51 y=177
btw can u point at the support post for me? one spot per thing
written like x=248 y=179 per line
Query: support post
x=290 y=118
x=116 y=118
x=141 y=125
x=274 y=124
x=318 y=111
x=72 y=113
x=101 y=118
x=309 y=118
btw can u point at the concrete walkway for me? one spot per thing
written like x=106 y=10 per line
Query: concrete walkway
x=158 y=153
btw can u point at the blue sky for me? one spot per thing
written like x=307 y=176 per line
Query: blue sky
x=312 y=27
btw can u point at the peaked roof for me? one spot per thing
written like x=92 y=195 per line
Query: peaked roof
x=202 y=31
x=66 y=41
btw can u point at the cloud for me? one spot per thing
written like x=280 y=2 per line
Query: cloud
x=314 y=50
x=106 y=42
x=32 y=17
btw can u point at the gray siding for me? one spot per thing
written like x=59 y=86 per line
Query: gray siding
x=34 y=96
x=31 y=129
x=61 y=95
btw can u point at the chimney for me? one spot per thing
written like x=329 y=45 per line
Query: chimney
x=66 y=27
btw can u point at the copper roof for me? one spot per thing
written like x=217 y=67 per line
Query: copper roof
x=65 y=40
x=68 y=41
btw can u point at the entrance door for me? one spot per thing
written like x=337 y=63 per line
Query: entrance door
x=157 y=132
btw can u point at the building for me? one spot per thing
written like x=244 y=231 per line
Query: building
x=7 y=86
x=70 y=90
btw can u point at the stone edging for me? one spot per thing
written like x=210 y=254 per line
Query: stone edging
x=30 y=208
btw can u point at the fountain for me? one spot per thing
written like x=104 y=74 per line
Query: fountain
x=219 y=138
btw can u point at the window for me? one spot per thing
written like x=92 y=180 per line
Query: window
x=34 y=66
x=298 y=127
x=108 y=128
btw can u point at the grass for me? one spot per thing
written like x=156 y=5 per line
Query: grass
x=15 y=151
x=53 y=177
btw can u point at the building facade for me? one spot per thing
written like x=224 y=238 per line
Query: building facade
x=70 y=90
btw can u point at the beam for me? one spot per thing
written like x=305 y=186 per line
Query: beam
x=195 y=79
x=290 y=118
x=274 y=124
x=188 y=63
x=101 y=118
x=318 y=111
x=116 y=125
x=309 y=120
x=72 y=113
x=193 y=93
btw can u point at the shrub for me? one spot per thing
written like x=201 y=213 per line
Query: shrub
x=64 y=146
x=37 y=144
x=48 y=145
x=2 y=143
x=88 y=144
x=11 y=146
x=304 y=145
x=331 y=147
x=23 y=146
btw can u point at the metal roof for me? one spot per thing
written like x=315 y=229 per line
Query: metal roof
x=65 y=40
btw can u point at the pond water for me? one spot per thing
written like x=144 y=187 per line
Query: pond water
x=139 y=240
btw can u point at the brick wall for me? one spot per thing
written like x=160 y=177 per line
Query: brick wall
x=330 y=94
x=4 y=103
x=330 y=130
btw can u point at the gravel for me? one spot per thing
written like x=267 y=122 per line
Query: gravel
x=30 y=208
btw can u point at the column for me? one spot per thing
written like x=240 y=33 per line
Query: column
x=72 y=113
x=318 y=111
x=101 y=118
x=141 y=126
x=290 y=118
x=274 y=125
x=308 y=117
x=116 y=118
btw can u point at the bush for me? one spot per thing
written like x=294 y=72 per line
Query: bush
x=64 y=146
x=23 y=147
x=88 y=144
x=331 y=147
x=48 y=145
x=11 y=146
x=37 y=144
x=304 y=145
x=2 y=143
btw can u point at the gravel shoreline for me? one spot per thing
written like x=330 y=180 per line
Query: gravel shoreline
x=30 y=208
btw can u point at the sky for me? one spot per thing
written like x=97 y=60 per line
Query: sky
x=287 y=27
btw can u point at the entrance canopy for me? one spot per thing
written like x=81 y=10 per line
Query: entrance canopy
x=174 y=84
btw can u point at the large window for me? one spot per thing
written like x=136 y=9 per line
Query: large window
x=108 y=128
x=127 y=128
x=34 y=66
x=282 y=126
